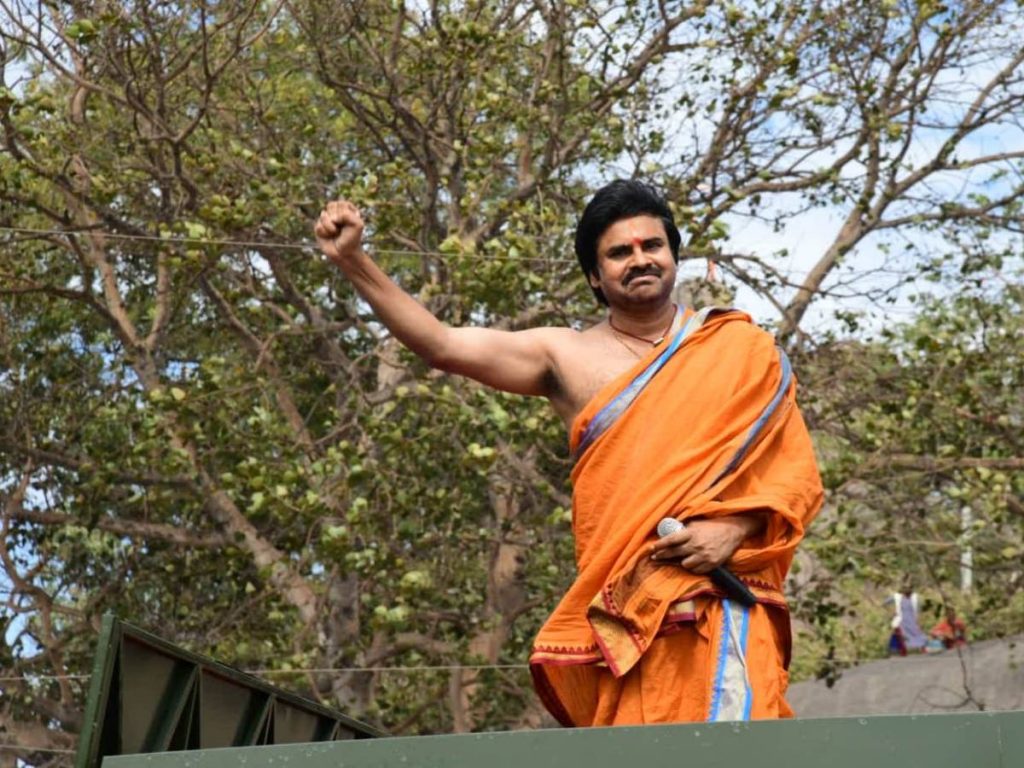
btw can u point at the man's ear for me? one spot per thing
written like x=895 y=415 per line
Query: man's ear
x=594 y=279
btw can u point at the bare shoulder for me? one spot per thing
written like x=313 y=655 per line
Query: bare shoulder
x=556 y=338
x=568 y=344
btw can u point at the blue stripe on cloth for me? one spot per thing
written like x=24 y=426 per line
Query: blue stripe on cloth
x=744 y=636
x=752 y=435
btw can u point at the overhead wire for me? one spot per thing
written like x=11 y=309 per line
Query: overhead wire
x=714 y=259
x=16 y=678
x=310 y=670
x=227 y=242
x=27 y=748
x=423 y=668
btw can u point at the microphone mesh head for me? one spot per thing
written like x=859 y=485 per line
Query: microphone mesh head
x=668 y=525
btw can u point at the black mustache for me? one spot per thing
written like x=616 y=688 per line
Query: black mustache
x=633 y=274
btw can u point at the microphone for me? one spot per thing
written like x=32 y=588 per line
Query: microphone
x=721 y=576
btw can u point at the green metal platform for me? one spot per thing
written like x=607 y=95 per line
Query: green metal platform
x=153 y=705
x=925 y=741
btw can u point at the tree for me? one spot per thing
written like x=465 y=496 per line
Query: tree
x=921 y=434
x=202 y=428
x=875 y=126
x=214 y=440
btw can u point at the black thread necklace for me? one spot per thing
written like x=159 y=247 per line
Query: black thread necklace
x=656 y=341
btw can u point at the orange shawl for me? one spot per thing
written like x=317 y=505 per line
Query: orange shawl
x=705 y=425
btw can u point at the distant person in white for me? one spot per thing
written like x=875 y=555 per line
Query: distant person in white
x=907 y=634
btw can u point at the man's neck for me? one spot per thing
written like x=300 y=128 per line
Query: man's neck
x=646 y=323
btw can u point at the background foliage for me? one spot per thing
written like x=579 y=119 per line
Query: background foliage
x=204 y=431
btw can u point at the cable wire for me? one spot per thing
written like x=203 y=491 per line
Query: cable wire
x=26 y=748
x=311 y=670
x=309 y=246
x=43 y=677
x=424 y=668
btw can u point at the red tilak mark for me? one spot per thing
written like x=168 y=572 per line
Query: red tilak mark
x=638 y=243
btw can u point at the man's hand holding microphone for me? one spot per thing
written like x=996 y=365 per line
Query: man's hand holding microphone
x=705 y=544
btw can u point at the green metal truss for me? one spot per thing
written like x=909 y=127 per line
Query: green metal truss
x=146 y=696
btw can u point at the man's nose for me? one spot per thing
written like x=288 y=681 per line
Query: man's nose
x=638 y=253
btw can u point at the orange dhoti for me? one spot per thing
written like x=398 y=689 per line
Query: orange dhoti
x=703 y=427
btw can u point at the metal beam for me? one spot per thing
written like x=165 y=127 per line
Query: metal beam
x=938 y=741
x=147 y=695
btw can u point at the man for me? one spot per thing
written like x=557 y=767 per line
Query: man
x=671 y=413
x=907 y=634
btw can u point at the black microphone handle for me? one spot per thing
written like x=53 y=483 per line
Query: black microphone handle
x=735 y=588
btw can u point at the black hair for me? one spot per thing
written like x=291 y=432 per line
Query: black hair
x=621 y=199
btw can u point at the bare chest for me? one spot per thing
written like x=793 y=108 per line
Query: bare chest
x=584 y=369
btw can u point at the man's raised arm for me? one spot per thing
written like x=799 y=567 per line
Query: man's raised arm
x=512 y=361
